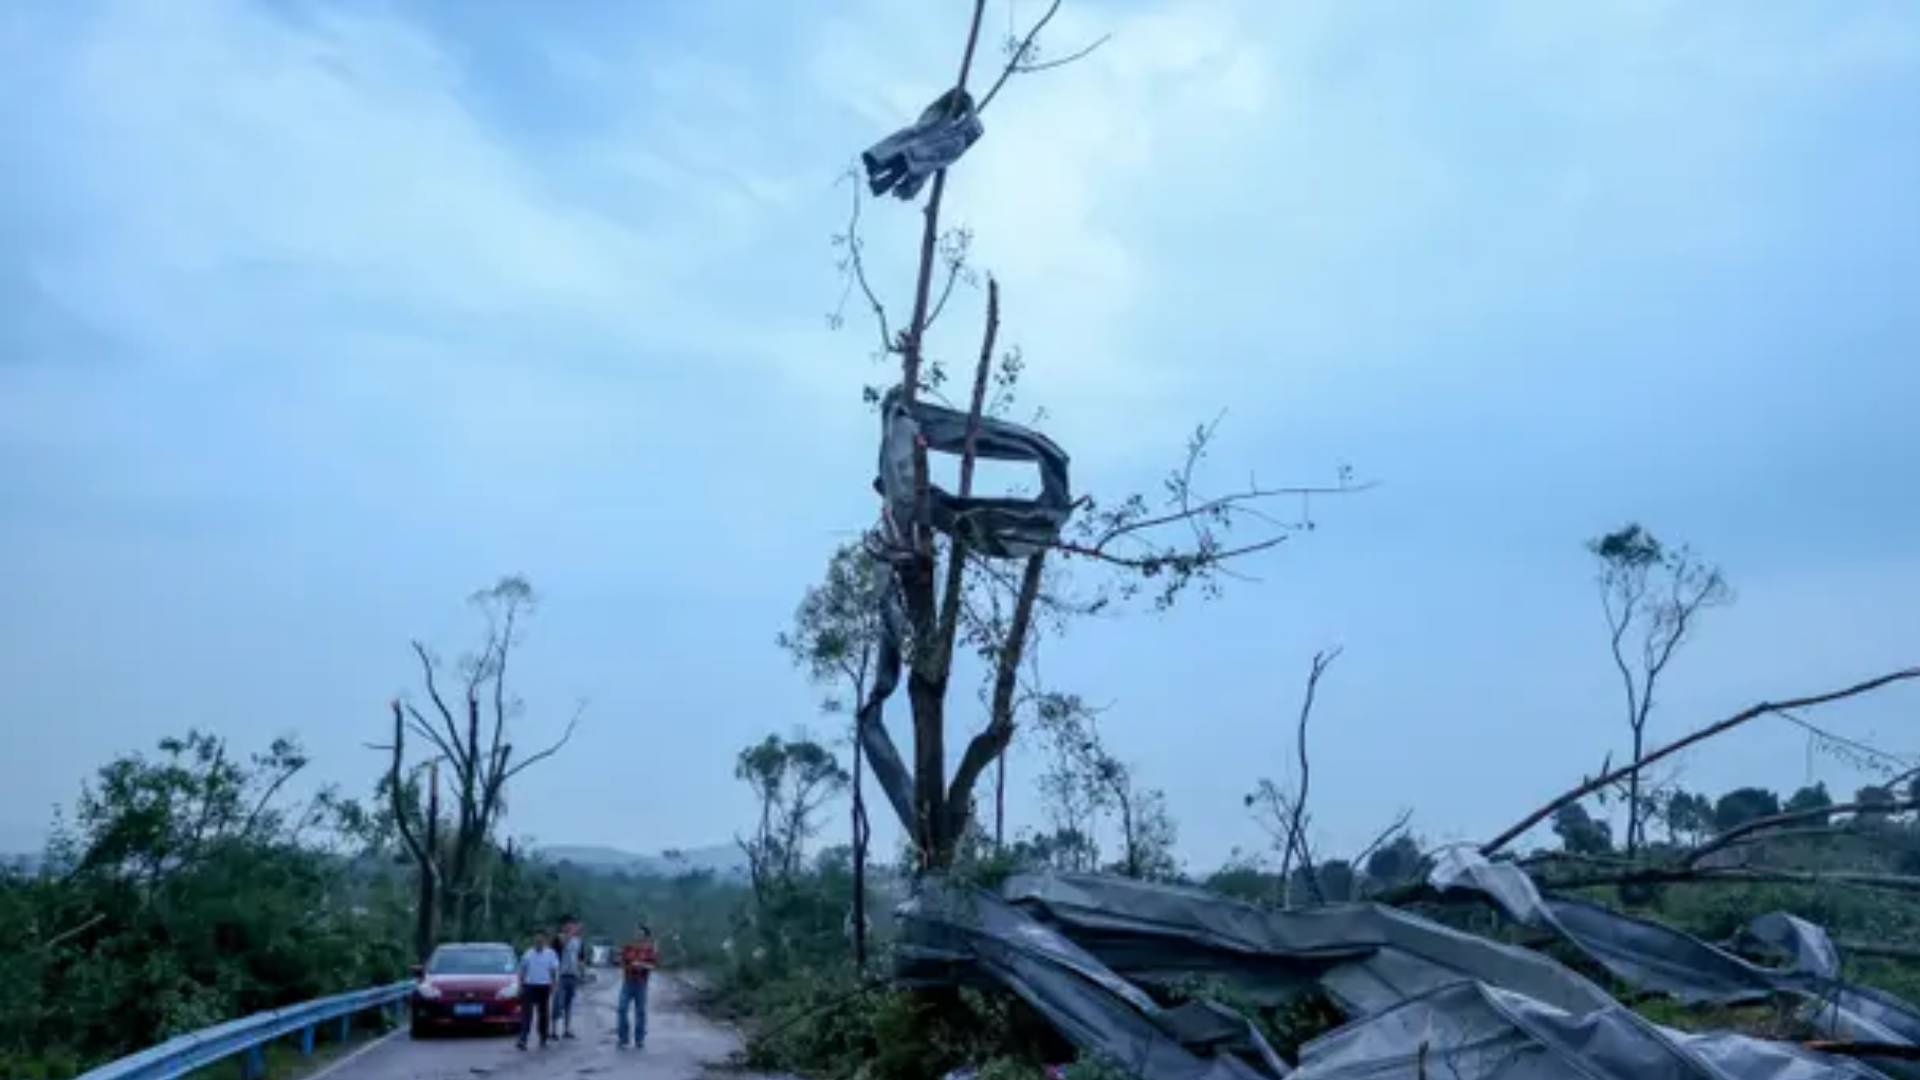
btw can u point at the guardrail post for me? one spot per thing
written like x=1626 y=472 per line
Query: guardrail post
x=253 y=1064
x=346 y=1026
x=306 y=1041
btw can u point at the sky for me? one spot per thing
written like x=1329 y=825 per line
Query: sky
x=317 y=317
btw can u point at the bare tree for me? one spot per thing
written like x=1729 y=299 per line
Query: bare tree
x=1652 y=596
x=477 y=746
x=1175 y=544
x=1283 y=812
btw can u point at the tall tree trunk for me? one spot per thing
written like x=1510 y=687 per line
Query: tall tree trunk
x=427 y=913
x=859 y=863
x=1000 y=803
x=1633 y=791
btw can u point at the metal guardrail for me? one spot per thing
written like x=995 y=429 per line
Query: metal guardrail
x=184 y=1053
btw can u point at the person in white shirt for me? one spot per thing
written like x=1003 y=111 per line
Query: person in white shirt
x=539 y=966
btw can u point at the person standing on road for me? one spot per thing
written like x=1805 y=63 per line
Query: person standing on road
x=538 y=967
x=638 y=958
x=570 y=971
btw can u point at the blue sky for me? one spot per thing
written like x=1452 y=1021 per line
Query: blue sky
x=316 y=317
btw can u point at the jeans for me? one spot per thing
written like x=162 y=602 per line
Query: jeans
x=534 y=997
x=563 y=1002
x=633 y=992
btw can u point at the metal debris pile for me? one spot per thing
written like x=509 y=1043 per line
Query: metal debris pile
x=1421 y=998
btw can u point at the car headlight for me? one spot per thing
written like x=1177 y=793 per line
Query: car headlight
x=508 y=992
x=429 y=991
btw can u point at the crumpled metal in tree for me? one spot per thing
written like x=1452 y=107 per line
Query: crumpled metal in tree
x=902 y=162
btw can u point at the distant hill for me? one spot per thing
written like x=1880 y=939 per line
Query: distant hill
x=723 y=860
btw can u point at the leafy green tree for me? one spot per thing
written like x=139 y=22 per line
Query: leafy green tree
x=1808 y=799
x=1397 y=861
x=1879 y=802
x=187 y=889
x=791 y=779
x=1688 y=816
x=1741 y=805
x=1580 y=833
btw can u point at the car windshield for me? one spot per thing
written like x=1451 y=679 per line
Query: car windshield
x=488 y=960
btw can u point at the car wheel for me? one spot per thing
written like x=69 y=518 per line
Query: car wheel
x=418 y=1030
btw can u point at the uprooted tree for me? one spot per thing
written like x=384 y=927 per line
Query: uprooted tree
x=944 y=547
x=475 y=745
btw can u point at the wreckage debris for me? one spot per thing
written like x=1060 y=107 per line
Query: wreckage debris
x=902 y=162
x=1422 y=998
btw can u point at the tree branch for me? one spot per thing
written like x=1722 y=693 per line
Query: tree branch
x=394 y=788
x=433 y=691
x=1717 y=728
x=855 y=267
x=988 y=745
x=1018 y=56
x=565 y=737
x=1296 y=839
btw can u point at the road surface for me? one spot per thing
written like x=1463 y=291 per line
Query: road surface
x=681 y=1045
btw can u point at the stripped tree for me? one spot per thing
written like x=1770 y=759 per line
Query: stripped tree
x=476 y=746
x=1653 y=596
x=935 y=541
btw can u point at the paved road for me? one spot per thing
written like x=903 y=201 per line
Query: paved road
x=681 y=1045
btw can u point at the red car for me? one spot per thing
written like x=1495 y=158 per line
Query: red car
x=467 y=985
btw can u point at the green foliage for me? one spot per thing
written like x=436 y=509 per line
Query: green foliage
x=1688 y=816
x=1580 y=833
x=1808 y=799
x=1741 y=805
x=187 y=891
x=184 y=894
x=1398 y=862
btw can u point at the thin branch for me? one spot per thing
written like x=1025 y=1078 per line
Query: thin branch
x=988 y=745
x=1018 y=56
x=1156 y=563
x=420 y=853
x=1900 y=761
x=855 y=268
x=1296 y=837
x=1049 y=65
x=433 y=691
x=1399 y=825
x=266 y=797
x=555 y=748
x=72 y=932
x=1717 y=728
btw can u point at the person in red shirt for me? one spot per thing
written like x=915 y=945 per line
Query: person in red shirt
x=638 y=958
